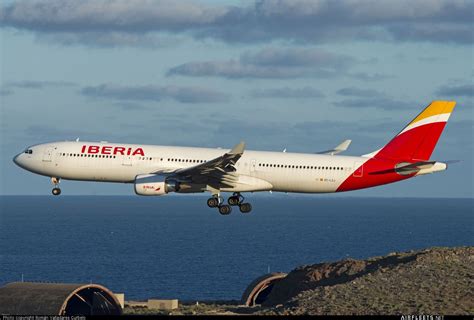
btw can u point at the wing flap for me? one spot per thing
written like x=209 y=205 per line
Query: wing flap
x=215 y=172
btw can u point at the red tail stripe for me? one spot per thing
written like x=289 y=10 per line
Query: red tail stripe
x=367 y=180
x=417 y=143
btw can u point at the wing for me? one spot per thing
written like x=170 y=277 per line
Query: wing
x=216 y=172
x=340 y=148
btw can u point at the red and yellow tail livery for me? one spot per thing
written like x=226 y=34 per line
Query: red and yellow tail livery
x=418 y=139
x=407 y=154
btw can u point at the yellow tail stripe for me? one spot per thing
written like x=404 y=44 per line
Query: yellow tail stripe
x=435 y=108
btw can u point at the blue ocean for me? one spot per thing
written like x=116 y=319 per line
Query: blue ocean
x=176 y=247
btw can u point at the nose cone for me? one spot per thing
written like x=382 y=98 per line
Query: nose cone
x=18 y=160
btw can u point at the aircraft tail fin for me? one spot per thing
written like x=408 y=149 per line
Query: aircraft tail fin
x=418 y=139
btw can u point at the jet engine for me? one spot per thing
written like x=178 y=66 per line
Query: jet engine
x=155 y=185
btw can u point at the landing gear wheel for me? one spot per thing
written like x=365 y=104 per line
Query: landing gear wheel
x=212 y=202
x=245 y=207
x=55 y=181
x=225 y=209
x=236 y=199
x=233 y=201
x=56 y=191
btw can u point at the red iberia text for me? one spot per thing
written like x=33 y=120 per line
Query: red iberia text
x=129 y=151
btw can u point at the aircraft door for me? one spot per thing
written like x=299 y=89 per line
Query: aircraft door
x=253 y=166
x=358 y=169
x=48 y=154
x=127 y=161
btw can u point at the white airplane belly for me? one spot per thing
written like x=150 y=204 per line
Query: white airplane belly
x=289 y=181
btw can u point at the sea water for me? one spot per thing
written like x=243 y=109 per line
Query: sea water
x=177 y=247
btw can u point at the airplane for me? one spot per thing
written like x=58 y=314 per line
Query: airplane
x=160 y=170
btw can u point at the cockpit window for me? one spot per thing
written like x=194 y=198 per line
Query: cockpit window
x=28 y=151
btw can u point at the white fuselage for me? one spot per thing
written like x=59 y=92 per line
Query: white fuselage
x=257 y=170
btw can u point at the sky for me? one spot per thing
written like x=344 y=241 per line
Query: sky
x=301 y=75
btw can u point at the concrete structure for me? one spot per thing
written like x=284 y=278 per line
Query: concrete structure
x=258 y=290
x=140 y=304
x=38 y=298
x=162 y=304
x=121 y=298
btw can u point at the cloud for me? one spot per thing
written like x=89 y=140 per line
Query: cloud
x=110 y=39
x=450 y=33
x=307 y=136
x=108 y=15
x=5 y=92
x=155 y=93
x=271 y=63
x=378 y=102
x=40 y=133
x=28 y=84
x=466 y=90
x=298 y=93
x=370 y=98
x=357 y=92
x=363 y=76
x=127 y=105
x=318 y=21
x=430 y=59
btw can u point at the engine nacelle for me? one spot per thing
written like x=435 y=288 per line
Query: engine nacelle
x=155 y=185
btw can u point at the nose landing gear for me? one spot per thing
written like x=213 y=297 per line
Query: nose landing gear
x=56 y=190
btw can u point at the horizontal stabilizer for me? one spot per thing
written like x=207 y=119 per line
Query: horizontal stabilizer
x=419 y=168
x=340 y=148
x=451 y=161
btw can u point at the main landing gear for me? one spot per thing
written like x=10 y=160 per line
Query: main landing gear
x=216 y=201
x=56 y=191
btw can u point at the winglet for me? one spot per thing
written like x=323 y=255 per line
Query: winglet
x=340 y=148
x=343 y=146
x=238 y=148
